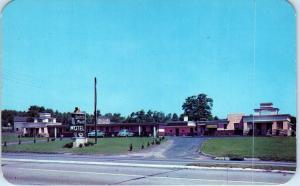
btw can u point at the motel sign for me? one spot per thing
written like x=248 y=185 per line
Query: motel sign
x=78 y=121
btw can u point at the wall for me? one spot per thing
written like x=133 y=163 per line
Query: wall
x=234 y=118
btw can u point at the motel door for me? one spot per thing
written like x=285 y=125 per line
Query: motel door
x=192 y=131
x=177 y=131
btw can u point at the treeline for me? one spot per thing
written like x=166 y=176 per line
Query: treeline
x=196 y=107
x=64 y=117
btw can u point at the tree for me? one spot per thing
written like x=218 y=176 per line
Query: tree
x=158 y=117
x=175 y=117
x=198 y=107
x=216 y=118
x=293 y=121
x=149 y=116
x=168 y=117
x=34 y=110
x=98 y=113
x=115 y=117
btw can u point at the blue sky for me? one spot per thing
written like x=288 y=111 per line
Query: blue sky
x=148 y=54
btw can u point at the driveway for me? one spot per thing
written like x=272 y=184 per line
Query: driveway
x=185 y=147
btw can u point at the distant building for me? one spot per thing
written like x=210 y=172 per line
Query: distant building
x=103 y=120
x=42 y=125
x=267 y=121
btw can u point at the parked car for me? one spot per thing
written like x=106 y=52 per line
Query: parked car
x=125 y=133
x=93 y=133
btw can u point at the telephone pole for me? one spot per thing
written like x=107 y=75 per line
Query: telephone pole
x=95 y=109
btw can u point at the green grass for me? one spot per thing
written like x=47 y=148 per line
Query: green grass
x=12 y=137
x=50 y=147
x=265 y=148
x=114 y=145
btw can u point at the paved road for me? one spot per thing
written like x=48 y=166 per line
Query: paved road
x=164 y=164
x=185 y=147
x=50 y=173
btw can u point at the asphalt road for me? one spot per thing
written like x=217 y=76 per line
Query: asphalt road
x=51 y=173
x=184 y=147
x=163 y=164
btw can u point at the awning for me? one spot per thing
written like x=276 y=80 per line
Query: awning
x=211 y=126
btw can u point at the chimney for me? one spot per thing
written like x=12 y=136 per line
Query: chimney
x=185 y=118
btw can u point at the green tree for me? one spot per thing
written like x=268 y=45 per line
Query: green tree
x=175 y=117
x=168 y=117
x=34 y=110
x=198 y=107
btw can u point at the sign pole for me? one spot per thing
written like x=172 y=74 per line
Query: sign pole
x=95 y=109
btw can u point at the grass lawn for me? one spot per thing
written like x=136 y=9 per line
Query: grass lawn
x=265 y=148
x=51 y=147
x=114 y=145
x=12 y=137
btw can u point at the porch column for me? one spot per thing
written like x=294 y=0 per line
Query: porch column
x=40 y=131
x=139 y=130
x=245 y=128
x=24 y=131
x=46 y=131
x=154 y=131
x=55 y=132
x=286 y=128
x=274 y=128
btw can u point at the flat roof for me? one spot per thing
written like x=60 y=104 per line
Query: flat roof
x=266 y=118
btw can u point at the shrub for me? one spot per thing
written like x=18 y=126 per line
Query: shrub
x=235 y=157
x=130 y=147
x=148 y=144
x=68 y=145
x=152 y=142
x=88 y=144
x=142 y=146
x=157 y=142
x=80 y=145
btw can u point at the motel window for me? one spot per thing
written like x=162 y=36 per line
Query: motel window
x=236 y=125
x=17 y=129
x=225 y=126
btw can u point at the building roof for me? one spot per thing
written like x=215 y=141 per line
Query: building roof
x=213 y=122
x=20 y=119
x=266 y=104
x=124 y=124
x=266 y=118
x=266 y=108
x=176 y=123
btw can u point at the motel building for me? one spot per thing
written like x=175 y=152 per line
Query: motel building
x=266 y=121
x=43 y=126
x=112 y=128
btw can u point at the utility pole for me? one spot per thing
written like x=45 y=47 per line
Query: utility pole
x=95 y=109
